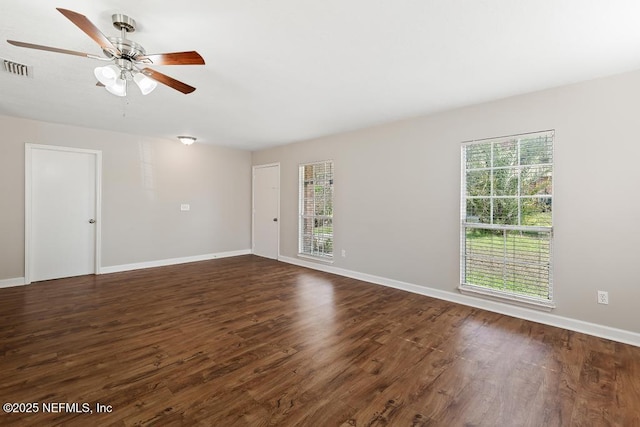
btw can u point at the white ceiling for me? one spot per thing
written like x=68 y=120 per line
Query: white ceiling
x=280 y=71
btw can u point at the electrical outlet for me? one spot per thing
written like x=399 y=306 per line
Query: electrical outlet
x=603 y=297
x=344 y=253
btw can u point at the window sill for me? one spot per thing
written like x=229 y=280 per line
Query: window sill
x=316 y=258
x=519 y=300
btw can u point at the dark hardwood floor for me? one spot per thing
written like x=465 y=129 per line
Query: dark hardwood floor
x=250 y=341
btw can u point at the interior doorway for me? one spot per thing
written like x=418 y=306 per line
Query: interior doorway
x=62 y=212
x=266 y=210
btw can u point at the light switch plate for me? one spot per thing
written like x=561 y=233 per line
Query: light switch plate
x=185 y=207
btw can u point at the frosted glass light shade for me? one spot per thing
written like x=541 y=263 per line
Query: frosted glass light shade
x=107 y=75
x=118 y=87
x=145 y=84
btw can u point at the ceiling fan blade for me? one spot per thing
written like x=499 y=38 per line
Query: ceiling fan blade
x=174 y=58
x=169 y=81
x=89 y=29
x=49 y=48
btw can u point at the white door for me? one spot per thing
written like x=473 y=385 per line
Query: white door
x=61 y=212
x=266 y=210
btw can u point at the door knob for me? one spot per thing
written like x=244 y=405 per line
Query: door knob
x=275 y=219
x=92 y=221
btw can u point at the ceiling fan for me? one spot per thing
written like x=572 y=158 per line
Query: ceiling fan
x=129 y=59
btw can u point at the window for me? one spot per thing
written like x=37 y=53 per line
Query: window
x=506 y=217
x=316 y=210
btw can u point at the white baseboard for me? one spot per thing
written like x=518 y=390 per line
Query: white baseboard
x=16 y=281
x=171 y=261
x=546 y=318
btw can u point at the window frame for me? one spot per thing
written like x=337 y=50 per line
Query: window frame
x=320 y=255
x=543 y=303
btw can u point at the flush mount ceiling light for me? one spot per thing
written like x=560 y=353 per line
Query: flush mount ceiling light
x=126 y=56
x=187 y=140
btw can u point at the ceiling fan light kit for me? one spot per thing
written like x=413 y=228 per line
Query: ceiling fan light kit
x=115 y=80
x=126 y=55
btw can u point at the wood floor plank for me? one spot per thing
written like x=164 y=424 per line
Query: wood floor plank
x=248 y=341
x=627 y=389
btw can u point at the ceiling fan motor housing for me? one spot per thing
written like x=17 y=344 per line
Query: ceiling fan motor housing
x=129 y=48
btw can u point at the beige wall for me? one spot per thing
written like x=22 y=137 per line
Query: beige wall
x=144 y=182
x=396 y=198
x=397 y=195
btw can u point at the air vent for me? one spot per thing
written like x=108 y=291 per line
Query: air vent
x=17 y=69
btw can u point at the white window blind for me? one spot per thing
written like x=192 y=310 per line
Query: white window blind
x=316 y=209
x=507 y=217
